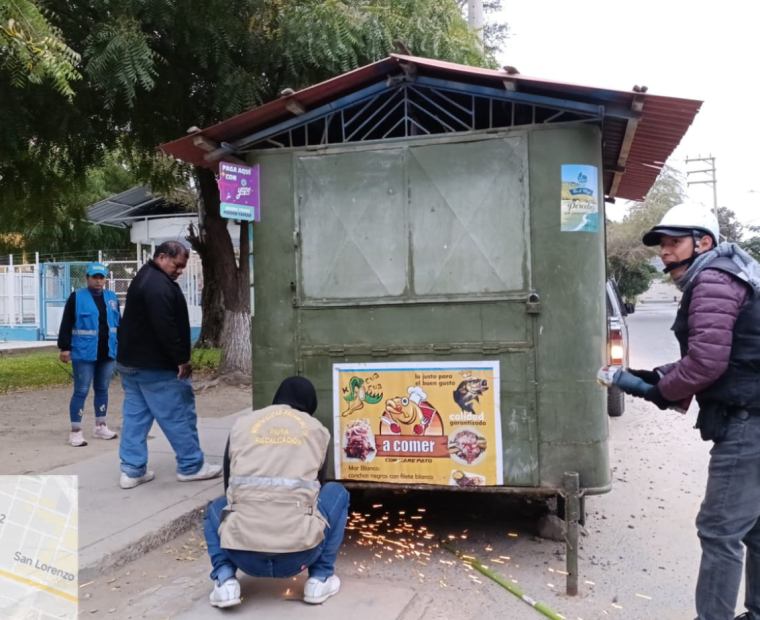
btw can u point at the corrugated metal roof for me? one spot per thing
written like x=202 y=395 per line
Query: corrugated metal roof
x=125 y=207
x=660 y=128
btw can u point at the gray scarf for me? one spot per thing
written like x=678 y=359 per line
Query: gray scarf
x=744 y=261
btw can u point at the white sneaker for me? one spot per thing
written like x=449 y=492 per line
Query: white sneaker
x=225 y=595
x=316 y=591
x=204 y=473
x=101 y=431
x=130 y=483
x=76 y=439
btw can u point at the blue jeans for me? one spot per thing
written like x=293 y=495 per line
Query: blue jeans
x=158 y=395
x=97 y=374
x=728 y=521
x=333 y=504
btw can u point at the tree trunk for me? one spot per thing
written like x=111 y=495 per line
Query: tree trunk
x=232 y=279
x=212 y=300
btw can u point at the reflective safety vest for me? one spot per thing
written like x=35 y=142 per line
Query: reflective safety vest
x=84 y=336
x=275 y=456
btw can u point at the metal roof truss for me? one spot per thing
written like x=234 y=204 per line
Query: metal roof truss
x=405 y=107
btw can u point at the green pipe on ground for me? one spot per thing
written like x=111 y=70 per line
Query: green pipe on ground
x=504 y=583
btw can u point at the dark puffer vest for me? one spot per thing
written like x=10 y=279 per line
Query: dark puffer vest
x=740 y=384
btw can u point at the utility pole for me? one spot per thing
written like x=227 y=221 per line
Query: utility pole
x=475 y=18
x=712 y=180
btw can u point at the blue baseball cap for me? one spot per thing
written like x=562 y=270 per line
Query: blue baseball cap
x=97 y=269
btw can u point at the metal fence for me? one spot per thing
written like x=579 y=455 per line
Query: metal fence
x=33 y=296
x=19 y=295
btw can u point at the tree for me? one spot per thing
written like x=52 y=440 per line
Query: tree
x=628 y=259
x=731 y=230
x=60 y=226
x=633 y=278
x=31 y=50
x=495 y=33
x=624 y=238
x=752 y=245
x=154 y=68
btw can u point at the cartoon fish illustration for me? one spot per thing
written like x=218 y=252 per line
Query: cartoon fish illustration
x=411 y=416
x=468 y=391
x=358 y=396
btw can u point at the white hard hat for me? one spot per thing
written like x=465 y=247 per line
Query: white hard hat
x=683 y=220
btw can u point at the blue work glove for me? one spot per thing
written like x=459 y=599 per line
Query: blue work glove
x=631 y=384
x=654 y=395
x=652 y=377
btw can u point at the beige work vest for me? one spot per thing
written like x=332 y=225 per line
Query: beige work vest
x=275 y=455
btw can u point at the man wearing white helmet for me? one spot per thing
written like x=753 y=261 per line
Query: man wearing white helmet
x=718 y=329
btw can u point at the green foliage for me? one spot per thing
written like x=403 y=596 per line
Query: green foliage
x=731 y=230
x=32 y=50
x=60 y=226
x=495 y=33
x=121 y=59
x=624 y=238
x=752 y=245
x=633 y=278
x=206 y=359
x=628 y=259
x=32 y=370
x=153 y=68
x=39 y=370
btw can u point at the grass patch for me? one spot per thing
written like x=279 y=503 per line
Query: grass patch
x=33 y=370
x=40 y=370
x=206 y=359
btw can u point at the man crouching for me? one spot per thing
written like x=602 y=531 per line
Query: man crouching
x=277 y=519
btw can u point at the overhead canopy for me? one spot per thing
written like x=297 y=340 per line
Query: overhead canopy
x=137 y=203
x=640 y=131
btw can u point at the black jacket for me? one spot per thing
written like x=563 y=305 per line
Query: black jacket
x=155 y=328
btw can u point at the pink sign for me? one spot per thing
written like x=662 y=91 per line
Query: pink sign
x=239 y=192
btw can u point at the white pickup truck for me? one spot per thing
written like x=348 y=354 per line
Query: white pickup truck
x=617 y=343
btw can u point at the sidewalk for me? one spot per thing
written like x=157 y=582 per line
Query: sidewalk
x=281 y=599
x=17 y=347
x=118 y=526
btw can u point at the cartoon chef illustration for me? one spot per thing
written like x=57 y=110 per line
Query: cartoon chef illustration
x=412 y=415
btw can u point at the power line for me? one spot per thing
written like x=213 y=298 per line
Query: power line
x=712 y=180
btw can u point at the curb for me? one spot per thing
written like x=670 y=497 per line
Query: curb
x=150 y=542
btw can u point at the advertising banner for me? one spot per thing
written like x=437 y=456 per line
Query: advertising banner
x=580 y=198
x=239 y=192
x=418 y=423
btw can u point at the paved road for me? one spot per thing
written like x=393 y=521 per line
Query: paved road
x=652 y=342
x=639 y=560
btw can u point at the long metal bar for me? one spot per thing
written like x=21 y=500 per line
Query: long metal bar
x=401 y=120
x=502 y=95
x=572 y=516
x=437 y=119
x=379 y=122
x=504 y=583
x=411 y=120
x=371 y=116
x=442 y=109
x=297 y=121
x=360 y=112
x=442 y=96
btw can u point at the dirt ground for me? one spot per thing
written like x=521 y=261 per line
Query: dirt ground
x=34 y=424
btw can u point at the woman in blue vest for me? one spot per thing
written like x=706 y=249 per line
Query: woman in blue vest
x=87 y=338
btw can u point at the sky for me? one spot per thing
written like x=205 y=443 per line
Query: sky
x=676 y=48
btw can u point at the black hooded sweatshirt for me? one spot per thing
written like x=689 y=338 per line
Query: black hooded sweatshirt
x=295 y=392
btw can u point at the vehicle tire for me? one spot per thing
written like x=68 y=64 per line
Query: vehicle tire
x=615 y=402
